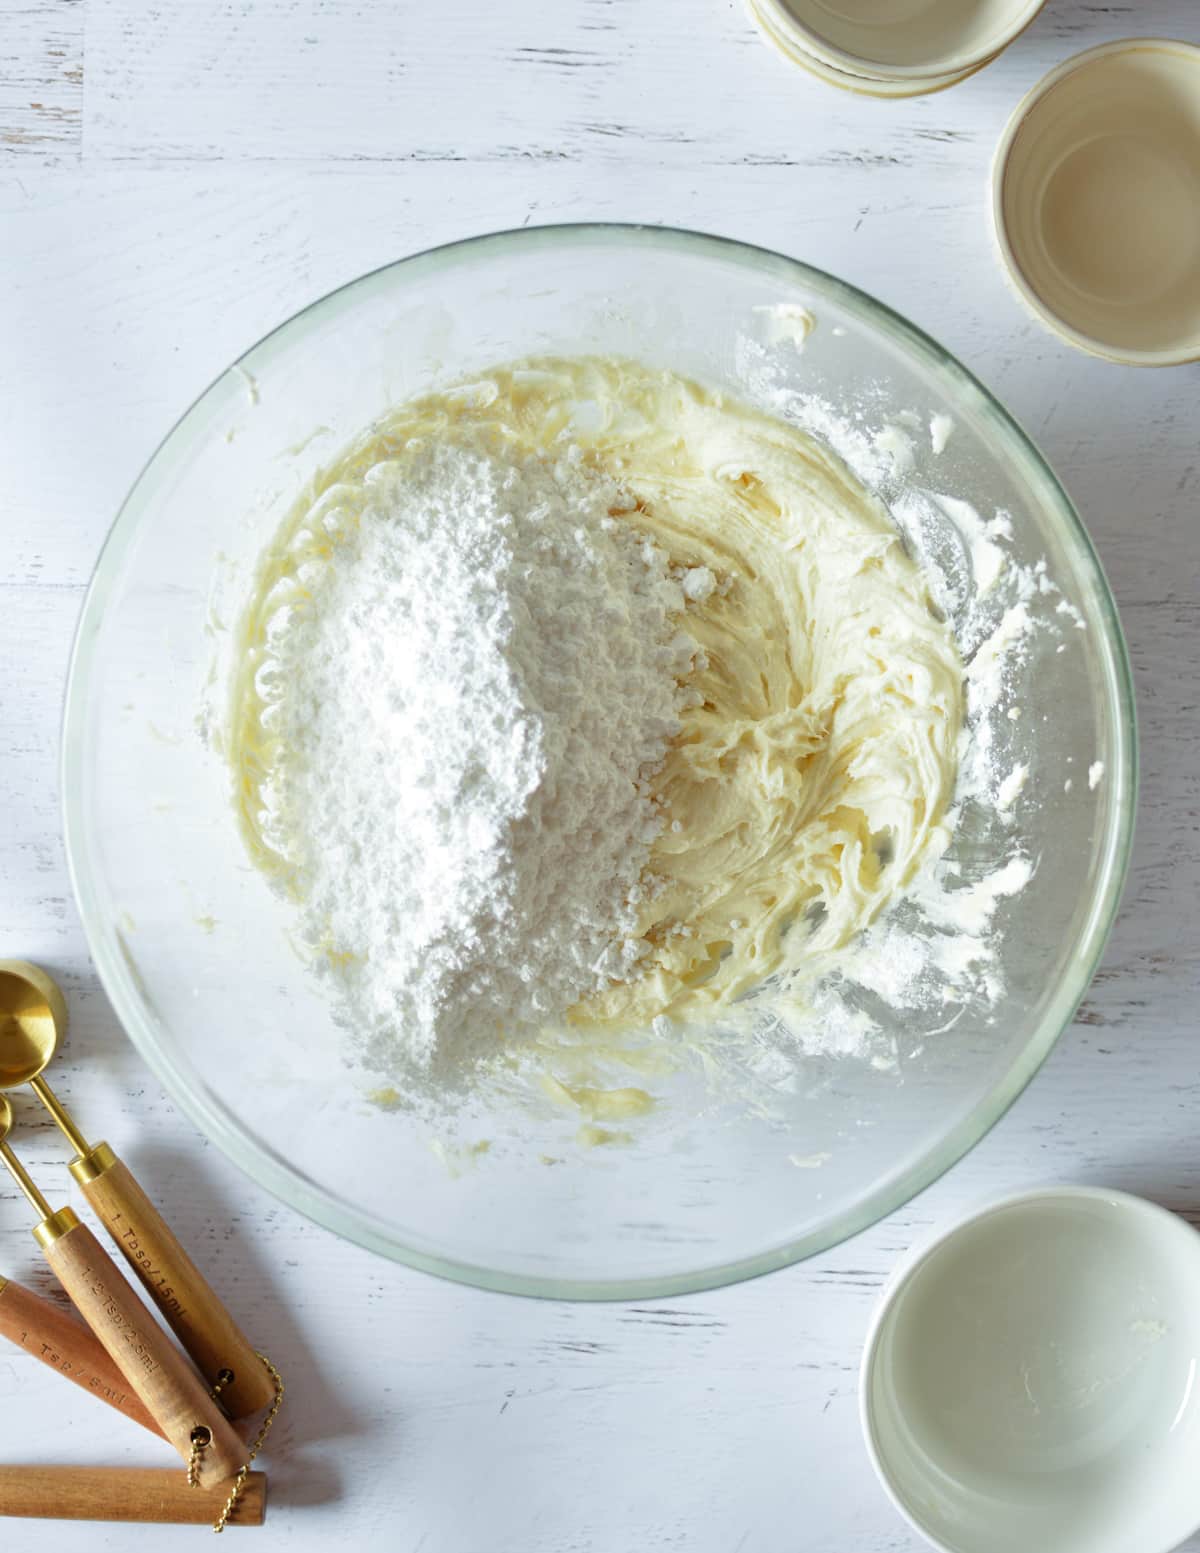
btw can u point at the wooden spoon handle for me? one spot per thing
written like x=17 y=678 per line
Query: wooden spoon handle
x=175 y=1284
x=125 y=1494
x=169 y=1388
x=67 y=1346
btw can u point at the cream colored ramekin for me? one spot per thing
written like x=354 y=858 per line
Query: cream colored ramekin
x=1096 y=201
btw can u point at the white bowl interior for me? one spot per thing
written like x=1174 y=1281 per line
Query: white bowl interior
x=1099 y=199
x=1033 y=1380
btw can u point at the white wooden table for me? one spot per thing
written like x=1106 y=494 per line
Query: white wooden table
x=175 y=179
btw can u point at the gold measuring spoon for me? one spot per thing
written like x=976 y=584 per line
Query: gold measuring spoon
x=169 y=1389
x=33 y=1018
x=68 y=1348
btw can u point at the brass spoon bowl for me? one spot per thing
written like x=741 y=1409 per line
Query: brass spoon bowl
x=33 y=1017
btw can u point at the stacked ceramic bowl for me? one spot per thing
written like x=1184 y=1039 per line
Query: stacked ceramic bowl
x=1096 y=181
x=904 y=49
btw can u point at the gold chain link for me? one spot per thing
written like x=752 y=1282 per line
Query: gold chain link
x=259 y=1439
x=201 y=1439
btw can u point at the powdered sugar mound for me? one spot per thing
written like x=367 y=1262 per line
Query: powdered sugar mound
x=470 y=703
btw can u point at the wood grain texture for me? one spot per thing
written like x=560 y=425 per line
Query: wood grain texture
x=67 y=1347
x=41 y=81
x=141 y=1494
x=231 y=172
x=169 y=1389
x=180 y=1292
x=689 y=83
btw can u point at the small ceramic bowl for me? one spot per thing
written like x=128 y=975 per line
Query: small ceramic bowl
x=861 y=85
x=917 y=41
x=1030 y=1379
x=1096 y=201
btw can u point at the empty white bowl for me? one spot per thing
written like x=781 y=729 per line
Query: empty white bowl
x=911 y=40
x=1096 y=201
x=1030 y=1379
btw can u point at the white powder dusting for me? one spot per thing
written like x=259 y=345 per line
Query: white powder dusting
x=940 y=429
x=985 y=672
x=939 y=950
x=970 y=908
x=1011 y=787
x=1065 y=607
x=486 y=675
x=1095 y=775
x=988 y=560
x=892 y=964
x=786 y=321
x=897 y=446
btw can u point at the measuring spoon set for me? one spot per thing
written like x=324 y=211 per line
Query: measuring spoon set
x=125 y=1359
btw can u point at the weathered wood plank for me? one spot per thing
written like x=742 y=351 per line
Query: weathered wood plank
x=41 y=80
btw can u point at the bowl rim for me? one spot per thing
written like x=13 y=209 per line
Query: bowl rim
x=1166 y=356
x=966 y=61
x=882 y=88
x=919 y=1255
x=275 y=1174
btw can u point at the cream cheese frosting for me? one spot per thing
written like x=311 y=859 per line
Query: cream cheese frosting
x=812 y=782
x=813 y=774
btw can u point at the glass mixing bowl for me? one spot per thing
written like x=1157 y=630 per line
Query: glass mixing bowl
x=193 y=949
